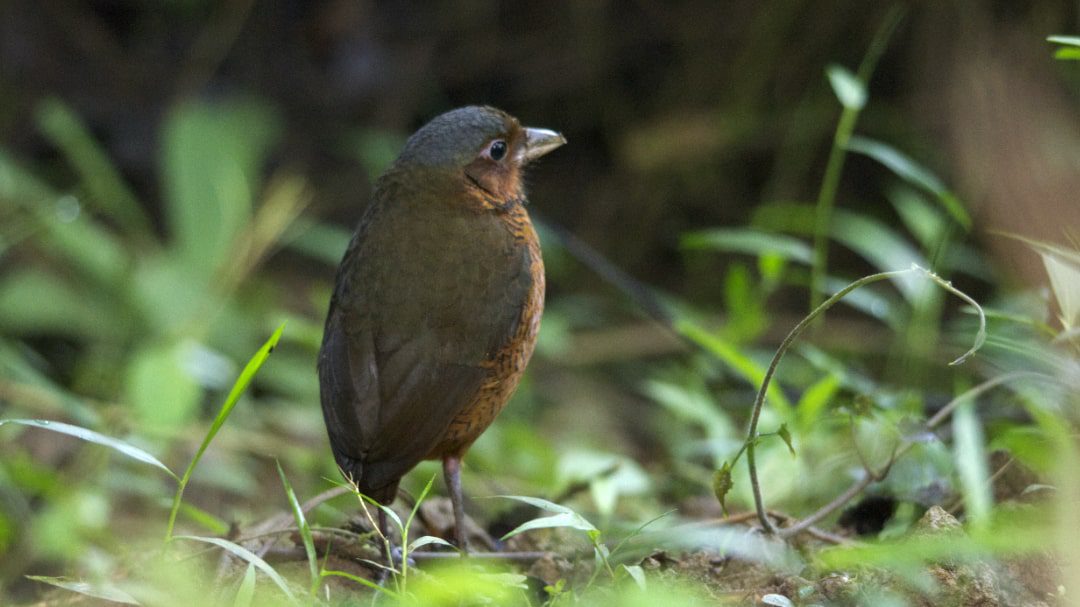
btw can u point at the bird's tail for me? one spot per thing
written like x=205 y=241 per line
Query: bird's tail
x=353 y=472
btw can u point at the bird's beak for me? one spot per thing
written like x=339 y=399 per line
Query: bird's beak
x=541 y=141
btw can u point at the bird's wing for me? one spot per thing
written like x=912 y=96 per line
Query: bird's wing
x=349 y=392
x=421 y=395
x=385 y=410
x=400 y=360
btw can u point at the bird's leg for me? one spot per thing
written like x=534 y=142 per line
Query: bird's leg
x=384 y=529
x=452 y=472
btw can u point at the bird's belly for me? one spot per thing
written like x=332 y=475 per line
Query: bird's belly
x=504 y=373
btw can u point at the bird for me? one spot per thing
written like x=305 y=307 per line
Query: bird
x=436 y=305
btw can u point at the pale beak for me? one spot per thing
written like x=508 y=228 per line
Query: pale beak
x=540 y=141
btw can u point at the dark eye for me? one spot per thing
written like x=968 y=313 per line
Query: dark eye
x=497 y=150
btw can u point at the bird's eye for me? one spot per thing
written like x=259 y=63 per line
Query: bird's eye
x=497 y=150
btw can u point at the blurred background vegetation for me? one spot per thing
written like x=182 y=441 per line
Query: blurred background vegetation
x=178 y=178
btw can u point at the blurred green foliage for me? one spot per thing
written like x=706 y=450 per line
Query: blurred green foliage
x=129 y=317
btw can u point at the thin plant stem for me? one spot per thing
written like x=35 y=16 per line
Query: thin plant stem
x=845 y=127
x=237 y=390
x=759 y=402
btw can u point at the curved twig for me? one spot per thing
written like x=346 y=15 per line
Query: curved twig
x=759 y=402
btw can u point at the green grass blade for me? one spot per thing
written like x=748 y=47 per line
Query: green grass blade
x=107 y=593
x=743 y=365
x=362 y=582
x=817 y=398
x=427 y=540
x=305 y=530
x=912 y=172
x=1066 y=40
x=971 y=465
x=570 y=520
x=845 y=127
x=247 y=556
x=212 y=524
x=750 y=241
x=540 y=503
x=416 y=508
x=93 y=437
x=238 y=388
x=246 y=591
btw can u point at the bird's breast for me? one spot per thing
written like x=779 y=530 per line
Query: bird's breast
x=507 y=362
x=450 y=275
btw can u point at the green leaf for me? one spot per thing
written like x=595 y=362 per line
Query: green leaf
x=626 y=479
x=238 y=388
x=910 y=171
x=785 y=435
x=511 y=580
x=246 y=591
x=744 y=303
x=390 y=514
x=35 y=301
x=970 y=453
x=571 y=520
x=204 y=519
x=743 y=365
x=97 y=591
x=848 y=88
x=321 y=241
x=540 y=503
x=241 y=384
x=636 y=573
x=99 y=175
x=771 y=266
x=92 y=249
x=92 y=437
x=427 y=540
x=1063 y=268
x=305 y=530
x=247 y=556
x=722 y=485
x=817 y=397
x=1066 y=40
x=921 y=218
x=691 y=401
x=565 y=517
x=882 y=246
x=362 y=581
x=212 y=157
x=416 y=508
x=159 y=388
x=21 y=188
x=750 y=241
x=791 y=217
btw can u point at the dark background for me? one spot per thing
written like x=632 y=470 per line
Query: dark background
x=680 y=115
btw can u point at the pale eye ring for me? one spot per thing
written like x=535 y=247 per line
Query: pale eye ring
x=497 y=150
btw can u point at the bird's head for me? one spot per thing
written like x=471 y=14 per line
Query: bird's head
x=481 y=147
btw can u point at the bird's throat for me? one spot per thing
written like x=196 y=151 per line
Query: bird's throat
x=488 y=200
